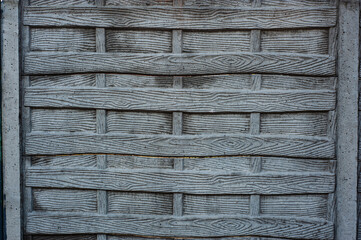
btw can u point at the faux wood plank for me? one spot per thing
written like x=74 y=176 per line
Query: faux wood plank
x=62 y=39
x=184 y=145
x=144 y=3
x=187 y=226
x=297 y=82
x=172 y=181
x=182 y=18
x=62 y=2
x=115 y=237
x=295 y=205
x=139 y=122
x=218 y=163
x=62 y=120
x=227 y=238
x=178 y=64
x=138 y=162
x=228 y=81
x=140 y=203
x=215 y=123
x=63 y=80
x=64 y=200
x=180 y=99
x=215 y=204
x=295 y=3
x=65 y=161
x=217 y=3
x=298 y=41
x=138 y=41
x=63 y=237
x=230 y=41
x=313 y=124
x=276 y=164
x=138 y=81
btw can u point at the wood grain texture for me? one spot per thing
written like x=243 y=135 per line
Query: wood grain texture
x=295 y=3
x=64 y=237
x=139 y=162
x=144 y=3
x=215 y=123
x=182 y=18
x=297 y=82
x=183 y=145
x=277 y=164
x=216 y=204
x=138 y=81
x=63 y=80
x=230 y=41
x=173 y=181
x=229 y=238
x=65 y=161
x=178 y=64
x=299 y=41
x=62 y=39
x=180 y=99
x=217 y=3
x=138 y=41
x=139 y=122
x=62 y=3
x=117 y=237
x=63 y=120
x=295 y=205
x=187 y=226
x=140 y=203
x=241 y=164
x=313 y=124
x=227 y=81
x=64 y=200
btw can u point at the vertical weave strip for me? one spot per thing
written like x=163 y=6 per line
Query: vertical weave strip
x=177 y=116
x=102 y=200
x=255 y=118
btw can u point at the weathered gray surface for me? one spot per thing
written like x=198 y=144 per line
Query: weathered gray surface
x=175 y=64
x=182 y=18
x=181 y=181
x=10 y=102
x=179 y=146
x=181 y=100
x=348 y=67
x=187 y=226
x=180 y=119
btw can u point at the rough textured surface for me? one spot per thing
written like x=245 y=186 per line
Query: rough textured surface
x=181 y=181
x=192 y=226
x=176 y=64
x=10 y=102
x=187 y=18
x=181 y=100
x=178 y=146
x=171 y=119
x=348 y=63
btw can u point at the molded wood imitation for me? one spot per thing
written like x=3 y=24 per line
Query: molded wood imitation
x=140 y=203
x=178 y=64
x=182 y=18
x=172 y=145
x=174 y=181
x=216 y=204
x=64 y=200
x=185 y=100
x=62 y=39
x=138 y=41
x=185 y=226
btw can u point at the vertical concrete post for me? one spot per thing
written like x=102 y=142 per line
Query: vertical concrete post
x=10 y=75
x=347 y=117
